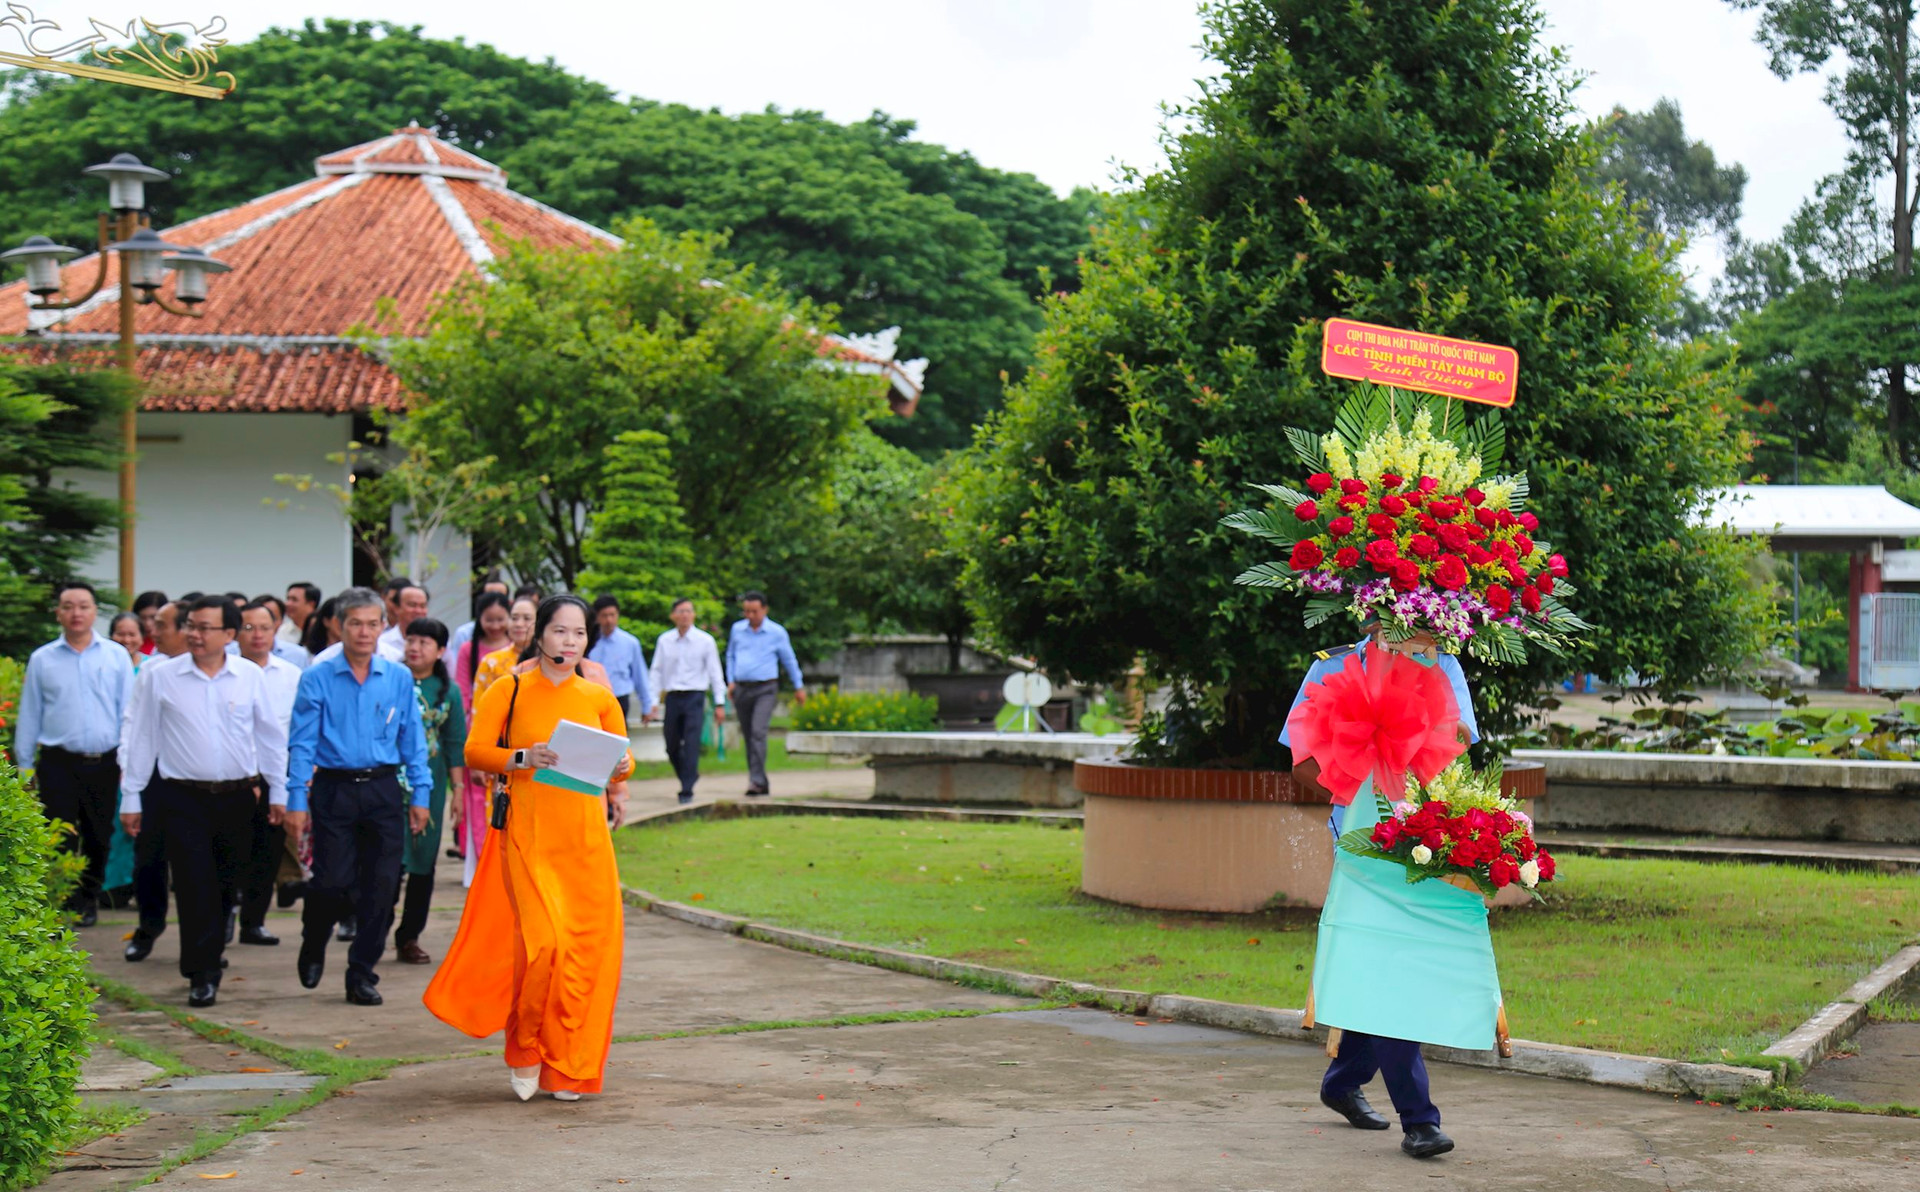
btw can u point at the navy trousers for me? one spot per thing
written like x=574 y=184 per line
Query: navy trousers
x=686 y=714
x=359 y=843
x=1397 y=1061
x=150 y=870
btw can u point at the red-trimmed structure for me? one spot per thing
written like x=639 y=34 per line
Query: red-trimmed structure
x=264 y=385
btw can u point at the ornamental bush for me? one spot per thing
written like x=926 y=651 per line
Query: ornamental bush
x=867 y=712
x=45 y=1002
x=1413 y=165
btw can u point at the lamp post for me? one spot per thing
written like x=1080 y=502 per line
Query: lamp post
x=143 y=266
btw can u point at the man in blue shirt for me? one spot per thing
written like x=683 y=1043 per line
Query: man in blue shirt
x=356 y=723
x=71 y=702
x=626 y=663
x=1397 y=1061
x=757 y=649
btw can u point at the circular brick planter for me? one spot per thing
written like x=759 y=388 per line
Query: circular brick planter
x=1214 y=840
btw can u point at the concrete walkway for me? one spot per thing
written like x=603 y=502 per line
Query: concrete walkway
x=1025 y=1097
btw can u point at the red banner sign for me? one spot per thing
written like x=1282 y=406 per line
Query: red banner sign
x=1425 y=363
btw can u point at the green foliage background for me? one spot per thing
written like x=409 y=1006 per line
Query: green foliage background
x=45 y=1001
x=891 y=230
x=1414 y=168
x=52 y=419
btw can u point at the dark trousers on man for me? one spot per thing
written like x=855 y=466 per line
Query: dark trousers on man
x=150 y=870
x=83 y=790
x=1399 y=1064
x=685 y=716
x=209 y=838
x=359 y=841
x=753 y=705
x=263 y=867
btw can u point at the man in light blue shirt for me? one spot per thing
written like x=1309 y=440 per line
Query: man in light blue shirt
x=355 y=724
x=757 y=649
x=626 y=663
x=71 y=703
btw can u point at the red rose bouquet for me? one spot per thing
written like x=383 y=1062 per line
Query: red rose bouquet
x=1460 y=829
x=1402 y=527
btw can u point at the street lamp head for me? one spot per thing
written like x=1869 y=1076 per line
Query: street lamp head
x=140 y=265
x=191 y=267
x=127 y=177
x=42 y=258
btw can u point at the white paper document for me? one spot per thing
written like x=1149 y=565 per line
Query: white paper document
x=588 y=757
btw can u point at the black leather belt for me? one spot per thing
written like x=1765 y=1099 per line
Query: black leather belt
x=356 y=775
x=225 y=786
x=91 y=759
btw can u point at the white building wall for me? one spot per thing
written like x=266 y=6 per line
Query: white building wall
x=212 y=516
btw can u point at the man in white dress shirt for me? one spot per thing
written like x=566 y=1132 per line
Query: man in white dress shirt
x=303 y=600
x=407 y=602
x=403 y=598
x=204 y=740
x=686 y=666
x=271 y=847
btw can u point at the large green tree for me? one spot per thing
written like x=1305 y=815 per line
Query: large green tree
x=891 y=231
x=1680 y=187
x=529 y=378
x=305 y=92
x=1866 y=51
x=1414 y=166
x=640 y=551
x=51 y=425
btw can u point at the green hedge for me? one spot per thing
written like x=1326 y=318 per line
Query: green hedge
x=45 y=1001
x=867 y=712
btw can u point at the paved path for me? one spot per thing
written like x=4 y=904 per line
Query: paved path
x=1022 y=1098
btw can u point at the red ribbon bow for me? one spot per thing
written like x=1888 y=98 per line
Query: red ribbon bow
x=1386 y=719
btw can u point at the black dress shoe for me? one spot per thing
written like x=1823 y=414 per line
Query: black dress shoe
x=1354 y=1107
x=362 y=994
x=224 y=962
x=685 y=799
x=348 y=928
x=233 y=921
x=203 y=994
x=89 y=915
x=289 y=893
x=258 y=935
x=753 y=794
x=139 y=947
x=1425 y=1141
x=310 y=970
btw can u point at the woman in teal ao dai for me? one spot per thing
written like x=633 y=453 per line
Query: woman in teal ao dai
x=1396 y=964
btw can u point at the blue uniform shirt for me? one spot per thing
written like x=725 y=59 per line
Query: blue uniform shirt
x=73 y=699
x=1322 y=667
x=340 y=723
x=754 y=655
x=626 y=666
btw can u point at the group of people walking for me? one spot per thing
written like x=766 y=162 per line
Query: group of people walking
x=214 y=749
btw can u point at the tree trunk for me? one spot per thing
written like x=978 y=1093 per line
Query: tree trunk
x=1903 y=216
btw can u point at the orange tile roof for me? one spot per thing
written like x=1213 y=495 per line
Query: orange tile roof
x=401 y=218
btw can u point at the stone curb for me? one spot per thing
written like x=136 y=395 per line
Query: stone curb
x=740 y=807
x=1647 y=1073
x=1809 y=1043
x=1760 y=852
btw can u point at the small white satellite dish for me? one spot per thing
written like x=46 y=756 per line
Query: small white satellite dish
x=1025 y=692
x=1027 y=689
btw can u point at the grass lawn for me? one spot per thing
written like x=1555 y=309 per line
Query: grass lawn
x=1670 y=958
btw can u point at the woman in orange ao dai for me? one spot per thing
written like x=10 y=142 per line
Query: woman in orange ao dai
x=539 y=947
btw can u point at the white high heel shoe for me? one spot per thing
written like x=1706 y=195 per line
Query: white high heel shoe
x=524 y=1087
x=565 y=1095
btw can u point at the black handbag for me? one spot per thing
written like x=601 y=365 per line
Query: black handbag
x=501 y=801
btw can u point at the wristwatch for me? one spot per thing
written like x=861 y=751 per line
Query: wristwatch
x=519 y=759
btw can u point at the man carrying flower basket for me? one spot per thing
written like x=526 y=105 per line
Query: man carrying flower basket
x=1400 y=531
